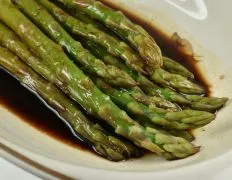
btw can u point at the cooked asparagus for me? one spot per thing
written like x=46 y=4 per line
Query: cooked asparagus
x=103 y=143
x=97 y=10
x=176 y=68
x=175 y=81
x=90 y=32
x=101 y=52
x=196 y=102
x=186 y=134
x=185 y=119
x=179 y=133
x=70 y=79
x=145 y=84
x=151 y=101
x=81 y=56
x=121 y=25
x=210 y=104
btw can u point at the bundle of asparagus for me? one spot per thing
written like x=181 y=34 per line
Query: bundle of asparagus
x=120 y=78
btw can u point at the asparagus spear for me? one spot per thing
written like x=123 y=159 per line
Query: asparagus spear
x=101 y=52
x=76 y=85
x=172 y=120
x=169 y=65
x=104 y=144
x=82 y=56
x=145 y=84
x=83 y=17
x=117 y=48
x=11 y=41
x=152 y=101
x=90 y=32
x=184 y=134
x=175 y=132
x=87 y=20
x=176 y=68
x=175 y=81
x=196 y=102
x=121 y=25
x=178 y=133
x=142 y=80
x=210 y=104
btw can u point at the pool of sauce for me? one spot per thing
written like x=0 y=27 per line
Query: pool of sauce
x=30 y=109
x=18 y=100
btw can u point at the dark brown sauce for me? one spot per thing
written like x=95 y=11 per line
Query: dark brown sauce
x=18 y=100
x=29 y=108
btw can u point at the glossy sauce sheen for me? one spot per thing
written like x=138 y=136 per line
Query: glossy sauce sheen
x=17 y=99
x=29 y=108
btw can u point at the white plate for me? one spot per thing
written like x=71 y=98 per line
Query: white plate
x=208 y=27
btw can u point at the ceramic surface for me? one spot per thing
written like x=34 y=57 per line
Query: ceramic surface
x=207 y=26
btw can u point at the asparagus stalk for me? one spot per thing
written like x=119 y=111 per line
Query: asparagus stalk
x=176 y=82
x=152 y=101
x=119 y=48
x=90 y=32
x=70 y=79
x=89 y=29
x=104 y=144
x=174 y=132
x=121 y=25
x=184 y=134
x=196 y=102
x=145 y=84
x=83 y=17
x=210 y=104
x=185 y=119
x=87 y=20
x=178 y=133
x=176 y=68
x=101 y=52
x=82 y=56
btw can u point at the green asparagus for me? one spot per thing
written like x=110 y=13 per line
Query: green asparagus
x=82 y=56
x=121 y=25
x=144 y=83
x=83 y=17
x=71 y=80
x=89 y=32
x=179 y=133
x=104 y=144
x=175 y=81
x=113 y=46
x=185 y=119
x=152 y=101
x=101 y=52
x=196 y=102
x=88 y=20
x=210 y=104
x=176 y=68
x=186 y=134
